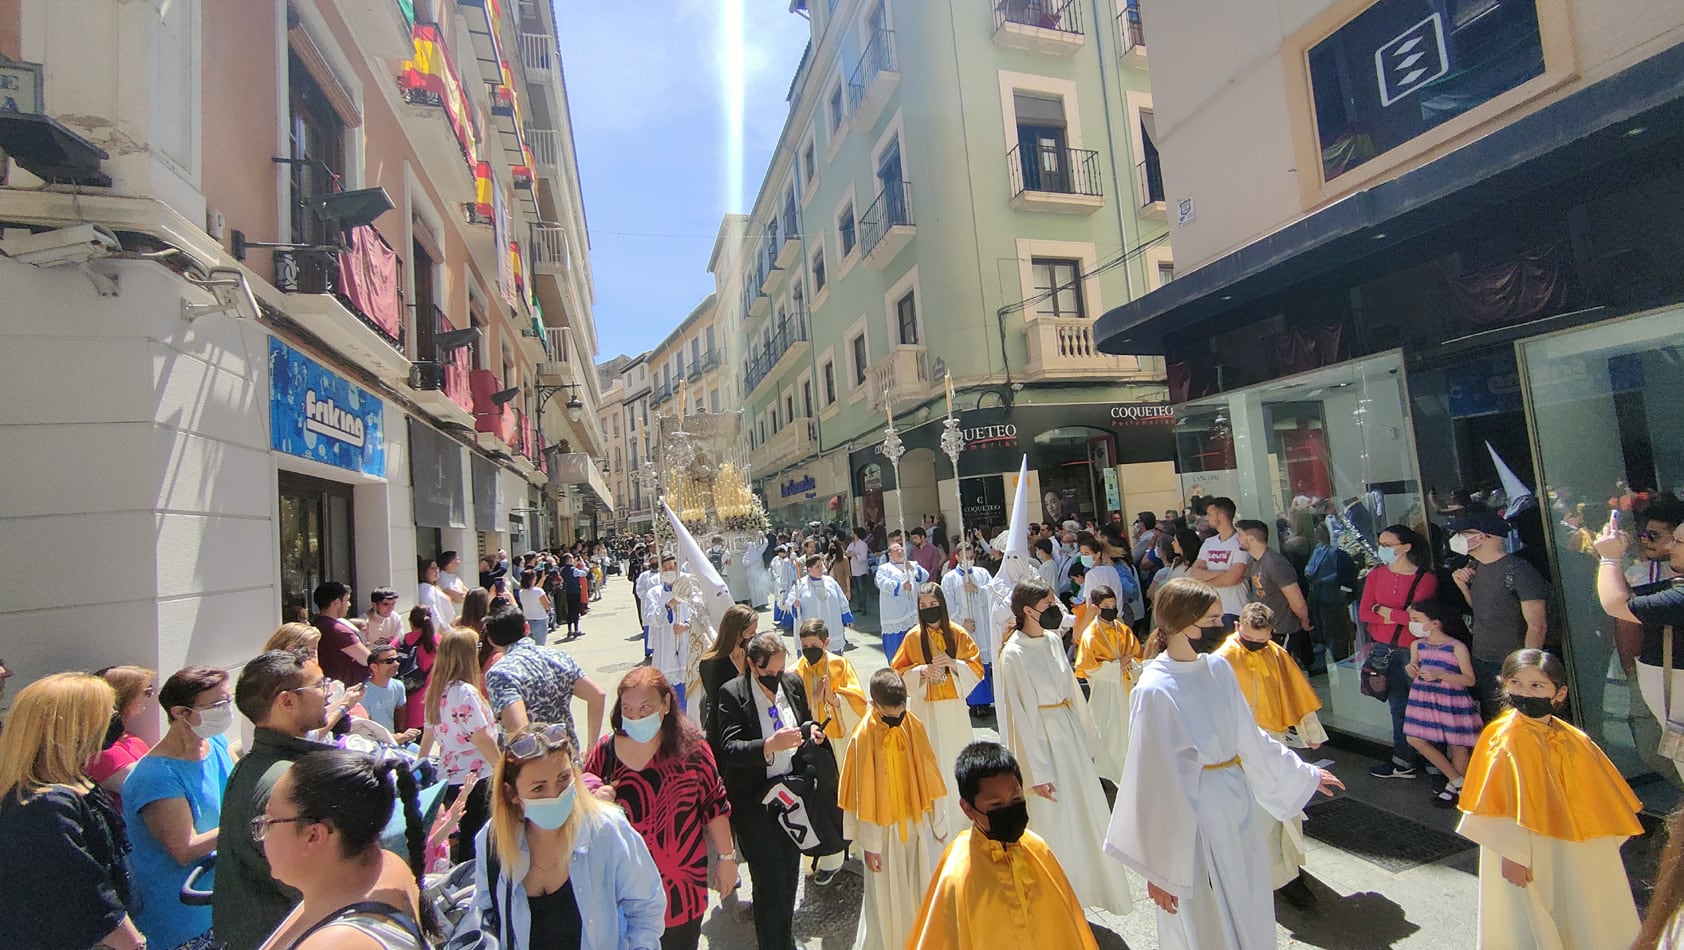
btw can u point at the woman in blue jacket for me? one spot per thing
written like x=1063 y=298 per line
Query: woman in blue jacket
x=570 y=872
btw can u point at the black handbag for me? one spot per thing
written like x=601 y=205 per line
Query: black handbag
x=1373 y=679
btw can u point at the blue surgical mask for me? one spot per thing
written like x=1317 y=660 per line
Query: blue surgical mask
x=1388 y=555
x=1087 y=560
x=549 y=813
x=642 y=730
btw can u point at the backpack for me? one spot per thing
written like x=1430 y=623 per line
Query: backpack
x=410 y=673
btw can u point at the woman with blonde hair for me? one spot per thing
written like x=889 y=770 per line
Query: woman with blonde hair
x=294 y=637
x=1198 y=770
x=562 y=868
x=135 y=687
x=460 y=720
x=62 y=864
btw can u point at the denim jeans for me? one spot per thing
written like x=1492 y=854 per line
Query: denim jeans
x=1397 y=699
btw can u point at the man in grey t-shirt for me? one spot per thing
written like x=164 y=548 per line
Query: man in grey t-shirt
x=1271 y=580
x=1506 y=594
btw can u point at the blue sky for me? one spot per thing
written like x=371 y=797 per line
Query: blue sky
x=646 y=83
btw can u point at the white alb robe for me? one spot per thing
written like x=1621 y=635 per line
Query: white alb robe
x=1579 y=897
x=821 y=597
x=897 y=609
x=948 y=724
x=784 y=574
x=1052 y=734
x=759 y=577
x=893 y=895
x=669 y=651
x=1188 y=816
x=972 y=606
x=1287 y=847
x=1108 y=703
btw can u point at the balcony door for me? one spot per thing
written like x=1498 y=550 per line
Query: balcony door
x=889 y=179
x=1043 y=143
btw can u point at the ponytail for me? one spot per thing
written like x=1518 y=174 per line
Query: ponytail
x=415 y=836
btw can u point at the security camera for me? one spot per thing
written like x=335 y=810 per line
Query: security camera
x=231 y=290
x=76 y=245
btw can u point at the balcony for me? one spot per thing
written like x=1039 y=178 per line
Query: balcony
x=546 y=151
x=382 y=27
x=350 y=300
x=887 y=226
x=789 y=246
x=1131 y=35
x=550 y=252
x=1062 y=348
x=903 y=375
x=660 y=393
x=497 y=426
x=442 y=387
x=874 y=80
x=560 y=365
x=1149 y=188
x=1049 y=178
x=758 y=302
x=1039 y=26
x=789 y=344
x=795 y=441
x=431 y=88
x=540 y=58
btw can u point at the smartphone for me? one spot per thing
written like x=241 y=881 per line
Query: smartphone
x=1614 y=518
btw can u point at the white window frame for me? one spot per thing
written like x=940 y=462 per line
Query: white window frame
x=836 y=130
x=830 y=408
x=820 y=249
x=860 y=327
x=894 y=132
x=908 y=283
x=802 y=382
x=810 y=184
x=1093 y=302
x=840 y=264
x=1064 y=89
x=1155 y=256
x=1135 y=103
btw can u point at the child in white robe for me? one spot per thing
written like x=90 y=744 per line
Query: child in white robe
x=1187 y=815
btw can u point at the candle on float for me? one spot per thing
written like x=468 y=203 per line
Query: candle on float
x=949 y=385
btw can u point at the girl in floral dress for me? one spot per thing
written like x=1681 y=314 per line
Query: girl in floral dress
x=460 y=720
x=1441 y=712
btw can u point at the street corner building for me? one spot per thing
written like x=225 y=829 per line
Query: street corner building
x=1446 y=259
x=293 y=292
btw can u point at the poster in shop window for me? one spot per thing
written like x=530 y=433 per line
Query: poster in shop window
x=315 y=413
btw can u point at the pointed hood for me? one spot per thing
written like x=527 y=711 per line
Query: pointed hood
x=692 y=561
x=1519 y=496
x=1017 y=563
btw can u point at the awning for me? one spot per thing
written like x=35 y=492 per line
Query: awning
x=578 y=468
x=1594 y=126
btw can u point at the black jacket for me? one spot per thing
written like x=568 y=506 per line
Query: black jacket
x=738 y=744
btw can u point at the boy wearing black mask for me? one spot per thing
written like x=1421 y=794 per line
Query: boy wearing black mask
x=833 y=686
x=998 y=884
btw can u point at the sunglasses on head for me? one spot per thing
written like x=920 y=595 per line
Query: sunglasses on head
x=533 y=744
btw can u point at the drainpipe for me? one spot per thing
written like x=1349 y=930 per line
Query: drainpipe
x=1111 y=138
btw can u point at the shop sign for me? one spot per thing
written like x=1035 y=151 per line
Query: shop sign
x=20 y=87
x=806 y=487
x=996 y=438
x=985 y=437
x=982 y=500
x=317 y=414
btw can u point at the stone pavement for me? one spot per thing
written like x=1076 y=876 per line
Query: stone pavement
x=1363 y=904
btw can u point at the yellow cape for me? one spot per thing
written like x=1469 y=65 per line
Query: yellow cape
x=960 y=647
x=1104 y=641
x=987 y=895
x=890 y=777
x=1279 y=693
x=844 y=682
x=1549 y=778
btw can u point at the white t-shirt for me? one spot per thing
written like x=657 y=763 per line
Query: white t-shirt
x=532 y=603
x=450 y=582
x=444 y=612
x=858 y=556
x=1219 y=555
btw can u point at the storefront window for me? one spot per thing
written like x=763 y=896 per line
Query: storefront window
x=1605 y=401
x=315 y=540
x=1325 y=457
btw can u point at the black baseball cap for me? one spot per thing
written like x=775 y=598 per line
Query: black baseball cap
x=1485 y=522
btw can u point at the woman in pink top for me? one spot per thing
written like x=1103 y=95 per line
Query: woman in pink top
x=1403 y=578
x=135 y=686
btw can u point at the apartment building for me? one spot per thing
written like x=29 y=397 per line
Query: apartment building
x=961 y=187
x=625 y=421
x=1446 y=259
x=289 y=288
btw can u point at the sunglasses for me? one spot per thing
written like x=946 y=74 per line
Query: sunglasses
x=1654 y=535
x=390 y=659
x=533 y=744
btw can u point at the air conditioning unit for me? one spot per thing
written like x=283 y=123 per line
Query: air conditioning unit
x=426 y=374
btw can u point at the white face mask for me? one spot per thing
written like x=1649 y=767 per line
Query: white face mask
x=214 y=721
x=1418 y=628
x=1459 y=544
x=669 y=577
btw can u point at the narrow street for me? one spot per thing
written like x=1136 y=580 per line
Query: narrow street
x=1402 y=879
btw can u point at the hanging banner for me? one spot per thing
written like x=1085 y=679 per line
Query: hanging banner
x=315 y=413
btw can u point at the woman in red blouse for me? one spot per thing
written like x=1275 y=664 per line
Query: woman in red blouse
x=657 y=765
x=1403 y=578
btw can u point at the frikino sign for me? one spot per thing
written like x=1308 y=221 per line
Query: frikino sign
x=317 y=414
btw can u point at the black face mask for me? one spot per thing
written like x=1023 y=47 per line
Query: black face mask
x=813 y=655
x=892 y=721
x=770 y=681
x=1007 y=823
x=929 y=615
x=1050 y=619
x=1533 y=707
x=1254 y=645
x=1108 y=614
x=1210 y=639
x=113 y=732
